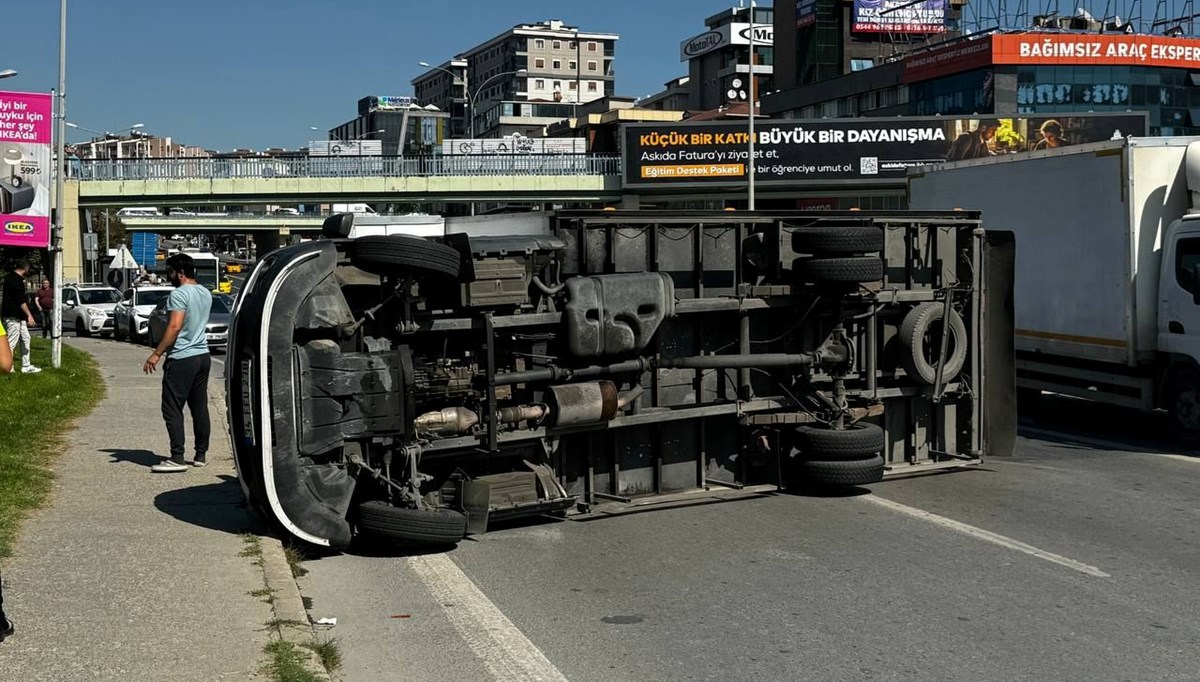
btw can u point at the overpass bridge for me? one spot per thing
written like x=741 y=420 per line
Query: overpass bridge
x=308 y=180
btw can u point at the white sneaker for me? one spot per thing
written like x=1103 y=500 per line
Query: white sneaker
x=168 y=467
x=30 y=369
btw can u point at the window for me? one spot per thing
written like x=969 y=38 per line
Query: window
x=558 y=44
x=591 y=46
x=573 y=65
x=1187 y=257
x=592 y=66
x=571 y=45
x=539 y=84
x=574 y=85
x=69 y=296
x=591 y=86
x=558 y=85
x=539 y=44
x=861 y=64
x=557 y=64
x=539 y=63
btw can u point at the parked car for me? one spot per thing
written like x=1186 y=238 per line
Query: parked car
x=216 y=331
x=131 y=315
x=88 y=308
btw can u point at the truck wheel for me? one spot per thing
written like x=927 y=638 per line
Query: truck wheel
x=921 y=339
x=412 y=526
x=385 y=255
x=818 y=443
x=81 y=330
x=117 y=335
x=1184 y=407
x=837 y=240
x=837 y=474
x=853 y=269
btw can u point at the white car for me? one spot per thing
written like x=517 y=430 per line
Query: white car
x=131 y=315
x=88 y=308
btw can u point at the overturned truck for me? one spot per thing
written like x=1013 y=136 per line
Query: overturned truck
x=419 y=389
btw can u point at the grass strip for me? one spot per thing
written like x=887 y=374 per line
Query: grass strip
x=36 y=411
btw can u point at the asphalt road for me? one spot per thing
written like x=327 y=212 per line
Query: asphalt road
x=1070 y=561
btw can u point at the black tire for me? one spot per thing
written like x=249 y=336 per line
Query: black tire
x=80 y=330
x=396 y=254
x=837 y=240
x=150 y=340
x=117 y=336
x=851 y=269
x=133 y=335
x=858 y=441
x=838 y=474
x=412 y=526
x=920 y=348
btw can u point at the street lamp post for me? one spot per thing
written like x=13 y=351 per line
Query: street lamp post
x=7 y=73
x=753 y=94
x=453 y=79
x=59 y=187
x=373 y=132
x=480 y=89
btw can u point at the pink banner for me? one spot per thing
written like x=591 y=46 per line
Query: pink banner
x=26 y=122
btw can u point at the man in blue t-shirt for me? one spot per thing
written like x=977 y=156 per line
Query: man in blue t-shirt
x=185 y=373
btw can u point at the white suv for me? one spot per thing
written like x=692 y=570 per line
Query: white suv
x=88 y=308
x=131 y=316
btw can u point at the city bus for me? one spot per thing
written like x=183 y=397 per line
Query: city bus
x=208 y=267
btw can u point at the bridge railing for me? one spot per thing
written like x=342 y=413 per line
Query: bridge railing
x=346 y=167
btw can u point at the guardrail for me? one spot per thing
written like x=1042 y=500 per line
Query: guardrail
x=346 y=167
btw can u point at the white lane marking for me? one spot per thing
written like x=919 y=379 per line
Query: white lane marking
x=986 y=536
x=503 y=649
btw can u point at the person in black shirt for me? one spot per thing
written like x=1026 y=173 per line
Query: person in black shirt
x=14 y=311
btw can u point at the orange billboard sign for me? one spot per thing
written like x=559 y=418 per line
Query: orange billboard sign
x=1096 y=49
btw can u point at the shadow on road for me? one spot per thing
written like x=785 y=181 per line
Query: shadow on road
x=1074 y=418
x=140 y=457
x=216 y=506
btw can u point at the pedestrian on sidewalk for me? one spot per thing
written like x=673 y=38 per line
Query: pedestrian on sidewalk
x=185 y=372
x=14 y=311
x=44 y=300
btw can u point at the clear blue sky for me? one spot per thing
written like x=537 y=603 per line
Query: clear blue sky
x=257 y=73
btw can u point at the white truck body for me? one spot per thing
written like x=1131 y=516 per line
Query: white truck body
x=1092 y=224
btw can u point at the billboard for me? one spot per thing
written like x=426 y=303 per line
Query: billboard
x=806 y=13
x=899 y=16
x=723 y=36
x=1108 y=49
x=515 y=145
x=858 y=151
x=26 y=120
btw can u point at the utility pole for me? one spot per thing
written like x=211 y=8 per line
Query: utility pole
x=60 y=168
x=753 y=95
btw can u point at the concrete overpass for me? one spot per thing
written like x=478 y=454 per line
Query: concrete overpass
x=307 y=180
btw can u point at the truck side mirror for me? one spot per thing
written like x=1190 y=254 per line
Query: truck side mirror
x=338 y=226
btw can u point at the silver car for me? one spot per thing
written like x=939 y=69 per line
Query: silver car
x=216 y=331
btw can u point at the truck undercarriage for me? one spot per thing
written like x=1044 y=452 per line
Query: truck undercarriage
x=420 y=389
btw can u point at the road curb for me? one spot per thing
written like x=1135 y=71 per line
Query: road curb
x=291 y=620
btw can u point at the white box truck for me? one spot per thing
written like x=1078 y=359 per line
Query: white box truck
x=1107 y=284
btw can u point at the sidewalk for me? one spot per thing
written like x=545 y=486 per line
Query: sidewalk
x=128 y=575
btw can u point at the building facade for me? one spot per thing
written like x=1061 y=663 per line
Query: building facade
x=523 y=79
x=403 y=126
x=445 y=87
x=1072 y=68
x=718 y=59
x=136 y=146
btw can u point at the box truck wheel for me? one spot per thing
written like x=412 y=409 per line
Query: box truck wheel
x=832 y=241
x=411 y=526
x=921 y=341
x=857 y=441
x=837 y=474
x=852 y=269
x=385 y=255
x=1184 y=406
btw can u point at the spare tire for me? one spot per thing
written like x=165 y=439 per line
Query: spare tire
x=852 y=270
x=857 y=441
x=397 y=254
x=837 y=240
x=922 y=347
x=411 y=526
x=837 y=474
